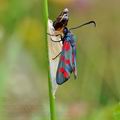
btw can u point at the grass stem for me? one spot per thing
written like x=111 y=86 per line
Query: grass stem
x=51 y=97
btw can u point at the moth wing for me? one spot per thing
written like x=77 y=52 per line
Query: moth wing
x=65 y=64
x=73 y=44
x=74 y=61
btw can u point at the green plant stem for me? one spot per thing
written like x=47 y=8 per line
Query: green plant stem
x=51 y=97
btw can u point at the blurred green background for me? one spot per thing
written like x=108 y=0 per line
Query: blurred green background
x=95 y=95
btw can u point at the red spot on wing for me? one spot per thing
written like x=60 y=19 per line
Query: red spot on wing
x=67 y=61
x=65 y=74
x=66 y=46
x=62 y=70
x=62 y=58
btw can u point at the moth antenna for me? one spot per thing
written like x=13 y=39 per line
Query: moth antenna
x=90 y=22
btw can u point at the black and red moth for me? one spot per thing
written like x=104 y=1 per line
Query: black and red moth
x=67 y=61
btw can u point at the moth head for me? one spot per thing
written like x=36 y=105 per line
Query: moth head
x=65 y=14
x=65 y=11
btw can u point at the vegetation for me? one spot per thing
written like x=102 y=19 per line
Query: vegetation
x=95 y=95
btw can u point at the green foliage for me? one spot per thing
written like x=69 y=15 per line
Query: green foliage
x=24 y=61
x=116 y=112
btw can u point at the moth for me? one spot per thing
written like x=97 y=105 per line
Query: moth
x=62 y=20
x=67 y=61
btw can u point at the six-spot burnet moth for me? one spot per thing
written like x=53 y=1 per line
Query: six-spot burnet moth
x=67 y=61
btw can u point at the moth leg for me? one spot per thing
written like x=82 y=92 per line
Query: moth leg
x=56 y=56
x=55 y=35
